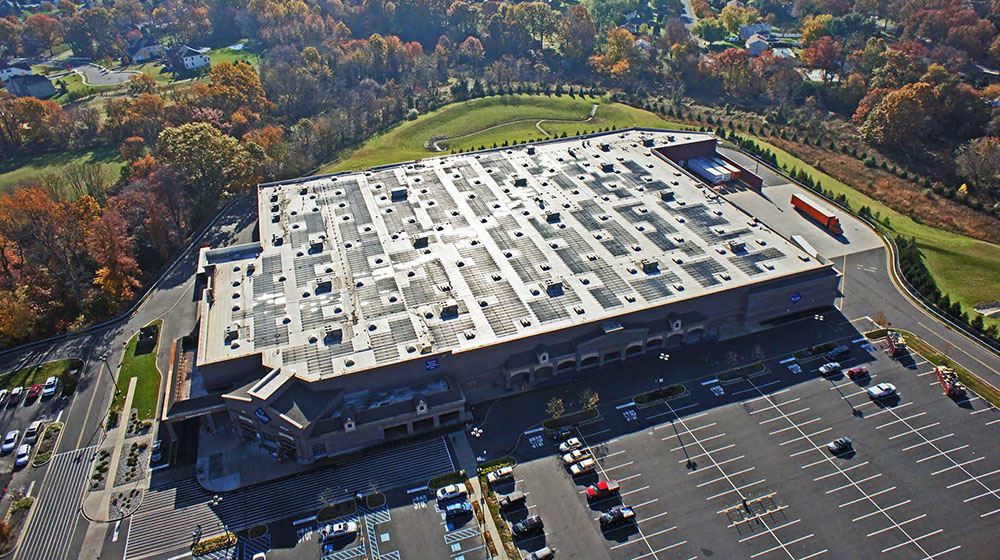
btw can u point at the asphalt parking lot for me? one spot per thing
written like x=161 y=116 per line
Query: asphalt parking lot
x=18 y=416
x=742 y=470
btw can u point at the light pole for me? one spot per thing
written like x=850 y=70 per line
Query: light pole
x=104 y=358
x=818 y=323
x=659 y=380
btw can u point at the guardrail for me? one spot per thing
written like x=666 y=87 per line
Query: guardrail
x=896 y=273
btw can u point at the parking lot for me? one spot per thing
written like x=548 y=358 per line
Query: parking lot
x=742 y=470
x=19 y=415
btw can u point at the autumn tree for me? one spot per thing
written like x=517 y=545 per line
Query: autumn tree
x=555 y=408
x=619 y=56
x=978 y=161
x=733 y=67
x=210 y=161
x=471 y=51
x=710 y=29
x=577 y=35
x=825 y=54
x=900 y=117
x=814 y=27
x=734 y=17
x=20 y=317
x=141 y=83
x=10 y=36
x=112 y=248
x=46 y=30
x=232 y=87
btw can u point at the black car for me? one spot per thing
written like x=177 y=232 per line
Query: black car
x=527 y=526
x=839 y=352
x=513 y=500
x=617 y=515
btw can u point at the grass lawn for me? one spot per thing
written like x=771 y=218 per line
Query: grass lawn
x=47 y=444
x=75 y=88
x=14 y=170
x=147 y=389
x=964 y=268
x=31 y=375
x=406 y=141
x=227 y=54
x=154 y=70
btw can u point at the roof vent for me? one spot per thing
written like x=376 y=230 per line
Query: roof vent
x=449 y=309
x=420 y=242
x=520 y=182
x=666 y=195
x=332 y=334
x=650 y=266
x=552 y=217
x=554 y=288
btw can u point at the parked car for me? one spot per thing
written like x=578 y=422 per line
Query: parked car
x=527 y=526
x=881 y=391
x=3 y=396
x=260 y=556
x=451 y=492
x=839 y=445
x=511 y=501
x=617 y=515
x=10 y=441
x=31 y=434
x=602 y=489
x=584 y=466
x=34 y=392
x=544 y=553
x=829 y=367
x=15 y=395
x=49 y=389
x=574 y=456
x=22 y=456
x=338 y=530
x=501 y=474
x=859 y=372
x=455 y=510
x=569 y=445
x=156 y=452
x=839 y=352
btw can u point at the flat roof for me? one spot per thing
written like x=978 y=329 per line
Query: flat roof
x=361 y=270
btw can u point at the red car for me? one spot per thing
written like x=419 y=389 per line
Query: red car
x=859 y=372
x=602 y=489
x=34 y=391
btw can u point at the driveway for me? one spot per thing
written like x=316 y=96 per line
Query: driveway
x=94 y=75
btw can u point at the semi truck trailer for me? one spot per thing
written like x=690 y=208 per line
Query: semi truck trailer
x=825 y=217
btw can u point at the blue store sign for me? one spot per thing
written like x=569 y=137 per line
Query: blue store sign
x=795 y=297
x=262 y=416
x=431 y=364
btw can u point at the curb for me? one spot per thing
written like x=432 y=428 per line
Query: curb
x=54 y=447
x=83 y=512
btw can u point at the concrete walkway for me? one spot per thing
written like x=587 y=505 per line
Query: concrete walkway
x=467 y=462
x=97 y=505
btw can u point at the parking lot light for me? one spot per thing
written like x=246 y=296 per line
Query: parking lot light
x=817 y=324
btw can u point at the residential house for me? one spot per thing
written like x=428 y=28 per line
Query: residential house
x=9 y=70
x=143 y=49
x=31 y=85
x=757 y=44
x=761 y=28
x=184 y=58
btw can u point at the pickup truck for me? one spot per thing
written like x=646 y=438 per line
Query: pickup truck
x=602 y=489
x=511 y=501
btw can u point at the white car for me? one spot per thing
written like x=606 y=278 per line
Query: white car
x=881 y=391
x=259 y=556
x=830 y=367
x=22 y=456
x=451 y=492
x=574 y=456
x=49 y=388
x=3 y=396
x=503 y=473
x=584 y=466
x=31 y=434
x=338 y=530
x=569 y=445
x=10 y=441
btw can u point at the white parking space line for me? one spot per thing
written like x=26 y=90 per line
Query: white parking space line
x=785 y=415
x=957 y=465
x=678 y=409
x=709 y=438
x=726 y=476
x=639 y=489
x=756 y=387
x=802 y=437
x=774 y=406
x=914 y=541
x=976 y=478
x=736 y=489
x=609 y=469
x=990 y=423
x=928 y=442
x=610 y=455
x=667 y=530
x=815 y=554
x=914 y=430
x=897 y=525
x=848 y=469
x=880 y=510
x=706 y=453
x=657 y=516
x=630 y=477
x=718 y=463
x=772 y=395
x=597 y=433
x=793 y=426
x=990 y=513
x=854 y=483
x=854 y=394
x=784 y=546
x=804 y=451
x=867 y=497
x=887 y=424
x=691 y=431
x=942 y=553
x=929 y=457
x=884 y=410
x=782 y=526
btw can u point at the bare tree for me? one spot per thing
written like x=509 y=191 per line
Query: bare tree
x=588 y=398
x=555 y=407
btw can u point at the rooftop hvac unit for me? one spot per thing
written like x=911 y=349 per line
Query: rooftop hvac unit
x=531 y=150
x=554 y=288
x=737 y=246
x=332 y=334
x=324 y=285
x=605 y=147
x=649 y=266
x=648 y=142
x=666 y=195
x=449 y=309
x=607 y=167
x=398 y=194
x=420 y=242
x=520 y=182
x=552 y=217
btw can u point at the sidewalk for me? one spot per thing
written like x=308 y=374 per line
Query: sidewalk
x=97 y=505
x=225 y=462
x=467 y=462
